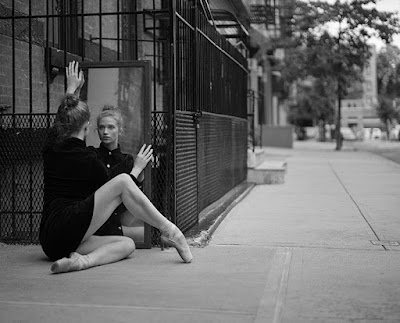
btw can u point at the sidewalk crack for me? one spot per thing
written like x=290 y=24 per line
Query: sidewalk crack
x=356 y=204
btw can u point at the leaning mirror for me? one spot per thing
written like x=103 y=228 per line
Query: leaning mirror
x=126 y=86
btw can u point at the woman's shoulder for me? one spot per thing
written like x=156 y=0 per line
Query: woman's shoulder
x=93 y=150
x=126 y=159
x=127 y=156
x=71 y=148
x=120 y=155
x=50 y=141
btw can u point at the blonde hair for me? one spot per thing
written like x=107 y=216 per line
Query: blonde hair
x=72 y=114
x=115 y=113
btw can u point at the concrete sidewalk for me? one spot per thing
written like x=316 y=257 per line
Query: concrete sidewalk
x=323 y=247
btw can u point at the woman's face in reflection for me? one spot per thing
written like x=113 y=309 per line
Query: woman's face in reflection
x=108 y=131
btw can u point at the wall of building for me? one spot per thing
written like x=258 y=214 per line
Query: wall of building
x=26 y=70
x=359 y=107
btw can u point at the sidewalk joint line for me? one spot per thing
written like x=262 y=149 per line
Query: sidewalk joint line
x=355 y=203
x=271 y=305
x=128 y=307
x=283 y=286
x=293 y=246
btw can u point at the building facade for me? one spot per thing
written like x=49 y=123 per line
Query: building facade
x=270 y=24
x=359 y=107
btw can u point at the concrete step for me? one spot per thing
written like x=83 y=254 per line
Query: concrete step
x=255 y=157
x=268 y=172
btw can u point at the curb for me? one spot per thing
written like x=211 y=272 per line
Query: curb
x=201 y=234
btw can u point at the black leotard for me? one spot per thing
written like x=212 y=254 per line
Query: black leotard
x=72 y=173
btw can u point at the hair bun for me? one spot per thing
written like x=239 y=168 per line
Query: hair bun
x=70 y=100
x=109 y=107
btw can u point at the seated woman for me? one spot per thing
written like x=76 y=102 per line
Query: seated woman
x=110 y=124
x=79 y=196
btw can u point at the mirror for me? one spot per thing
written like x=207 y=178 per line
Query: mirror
x=124 y=85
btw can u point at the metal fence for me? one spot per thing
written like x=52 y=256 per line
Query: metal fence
x=162 y=189
x=251 y=102
x=211 y=74
x=211 y=96
x=21 y=175
x=195 y=71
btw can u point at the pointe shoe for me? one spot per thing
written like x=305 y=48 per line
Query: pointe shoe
x=75 y=262
x=175 y=238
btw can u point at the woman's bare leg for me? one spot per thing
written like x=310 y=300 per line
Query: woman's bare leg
x=122 y=189
x=135 y=233
x=130 y=220
x=95 y=251
x=132 y=226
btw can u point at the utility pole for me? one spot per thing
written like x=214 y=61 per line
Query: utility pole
x=339 y=139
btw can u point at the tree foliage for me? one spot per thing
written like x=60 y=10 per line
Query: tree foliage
x=388 y=69
x=387 y=112
x=330 y=43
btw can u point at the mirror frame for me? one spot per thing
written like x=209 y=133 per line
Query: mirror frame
x=146 y=66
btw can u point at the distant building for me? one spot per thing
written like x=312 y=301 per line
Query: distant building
x=359 y=107
x=270 y=22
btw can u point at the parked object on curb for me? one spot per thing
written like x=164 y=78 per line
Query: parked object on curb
x=301 y=133
x=360 y=134
x=311 y=132
x=394 y=133
x=347 y=133
x=376 y=133
x=367 y=133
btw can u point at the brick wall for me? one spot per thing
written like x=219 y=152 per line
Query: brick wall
x=24 y=90
x=33 y=83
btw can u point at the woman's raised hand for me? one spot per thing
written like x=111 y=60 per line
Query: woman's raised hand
x=143 y=157
x=75 y=78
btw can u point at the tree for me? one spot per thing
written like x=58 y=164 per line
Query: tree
x=338 y=55
x=387 y=112
x=315 y=104
x=388 y=69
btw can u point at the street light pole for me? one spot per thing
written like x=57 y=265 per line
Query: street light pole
x=339 y=139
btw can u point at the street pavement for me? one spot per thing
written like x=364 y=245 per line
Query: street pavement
x=385 y=148
x=322 y=247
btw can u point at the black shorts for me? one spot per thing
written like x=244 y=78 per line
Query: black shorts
x=63 y=226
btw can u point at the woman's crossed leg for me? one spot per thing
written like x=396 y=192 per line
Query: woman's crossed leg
x=95 y=251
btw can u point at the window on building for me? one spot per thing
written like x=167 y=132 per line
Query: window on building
x=68 y=32
x=368 y=69
x=65 y=25
x=368 y=85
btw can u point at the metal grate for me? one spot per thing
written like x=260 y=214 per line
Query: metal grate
x=251 y=140
x=21 y=179
x=222 y=155
x=162 y=181
x=186 y=171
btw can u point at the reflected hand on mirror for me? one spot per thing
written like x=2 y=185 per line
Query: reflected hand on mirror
x=75 y=78
x=144 y=156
